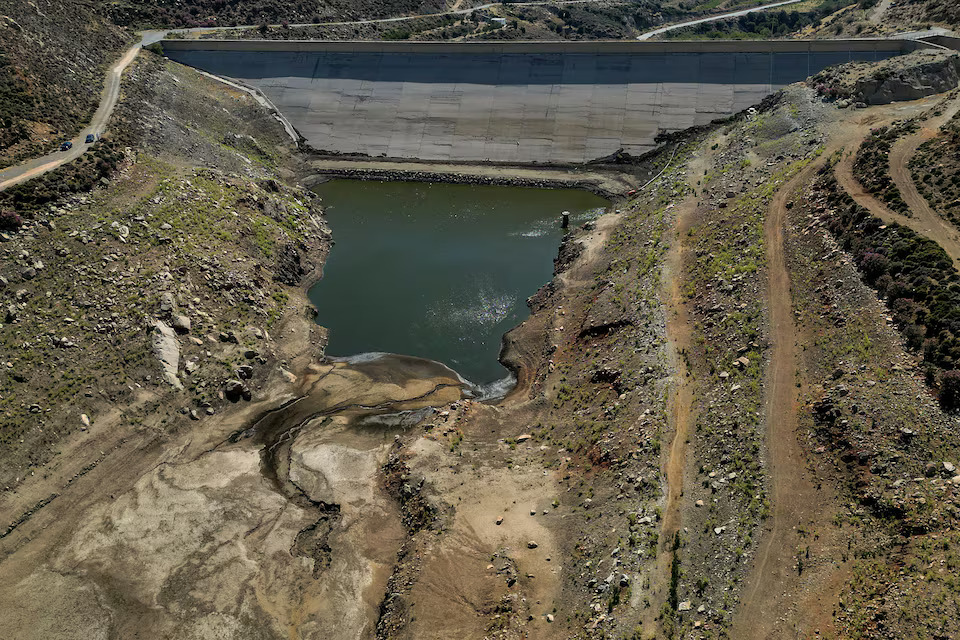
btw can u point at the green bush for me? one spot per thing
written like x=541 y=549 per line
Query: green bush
x=950 y=389
x=915 y=274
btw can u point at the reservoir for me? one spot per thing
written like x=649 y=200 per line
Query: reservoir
x=438 y=271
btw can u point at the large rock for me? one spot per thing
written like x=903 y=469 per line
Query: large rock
x=290 y=267
x=167 y=303
x=181 y=323
x=167 y=349
x=233 y=390
x=911 y=83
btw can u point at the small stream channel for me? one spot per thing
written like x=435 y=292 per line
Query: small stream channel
x=438 y=271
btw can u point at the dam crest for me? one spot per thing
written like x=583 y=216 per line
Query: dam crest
x=514 y=102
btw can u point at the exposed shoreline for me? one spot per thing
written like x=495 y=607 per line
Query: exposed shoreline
x=607 y=183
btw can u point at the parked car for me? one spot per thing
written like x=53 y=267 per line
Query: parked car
x=90 y=138
x=66 y=145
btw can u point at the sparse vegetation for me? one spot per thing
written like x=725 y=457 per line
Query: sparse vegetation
x=912 y=273
x=763 y=25
x=872 y=166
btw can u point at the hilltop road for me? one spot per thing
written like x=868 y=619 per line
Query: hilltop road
x=111 y=92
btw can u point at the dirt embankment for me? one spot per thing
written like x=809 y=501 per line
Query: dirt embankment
x=606 y=181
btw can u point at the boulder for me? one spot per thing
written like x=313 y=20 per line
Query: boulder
x=166 y=348
x=181 y=323
x=167 y=303
x=233 y=390
x=290 y=267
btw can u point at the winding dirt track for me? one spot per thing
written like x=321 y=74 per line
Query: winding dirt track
x=794 y=495
x=925 y=221
x=776 y=601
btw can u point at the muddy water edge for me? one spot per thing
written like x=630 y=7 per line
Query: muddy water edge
x=327 y=450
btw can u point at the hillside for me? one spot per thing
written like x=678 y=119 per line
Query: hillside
x=735 y=403
x=188 y=227
x=925 y=13
x=207 y=13
x=53 y=56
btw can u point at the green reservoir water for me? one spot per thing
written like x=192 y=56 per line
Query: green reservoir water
x=439 y=271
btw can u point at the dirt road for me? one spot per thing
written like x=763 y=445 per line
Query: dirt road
x=926 y=221
x=794 y=499
x=722 y=16
x=924 y=226
x=777 y=601
x=111 y=92
x=879 y=10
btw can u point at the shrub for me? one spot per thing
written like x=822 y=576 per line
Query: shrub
x=917 y=276
x=950 y=389
x=9 y=220
x=874 y=265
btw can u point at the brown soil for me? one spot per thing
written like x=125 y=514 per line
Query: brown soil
x=924 y=220
x=796 y=501
x=927 y=221
x=800 y=504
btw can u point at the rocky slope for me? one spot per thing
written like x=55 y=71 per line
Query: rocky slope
x=53 y=57
x=909 y=77
x=191 y=251
x=200 y=13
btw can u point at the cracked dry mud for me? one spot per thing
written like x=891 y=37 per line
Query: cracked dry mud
x=279 y=529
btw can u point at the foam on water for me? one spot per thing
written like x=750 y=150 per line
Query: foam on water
x=437 y=271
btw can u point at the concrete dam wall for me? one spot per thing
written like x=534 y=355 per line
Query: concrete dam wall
x=520 y=102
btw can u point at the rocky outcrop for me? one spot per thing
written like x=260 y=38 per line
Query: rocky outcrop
x=167 y=349
x=291 y=268
x=910 y=83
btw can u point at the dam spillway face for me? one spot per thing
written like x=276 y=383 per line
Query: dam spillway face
x=516 y=102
